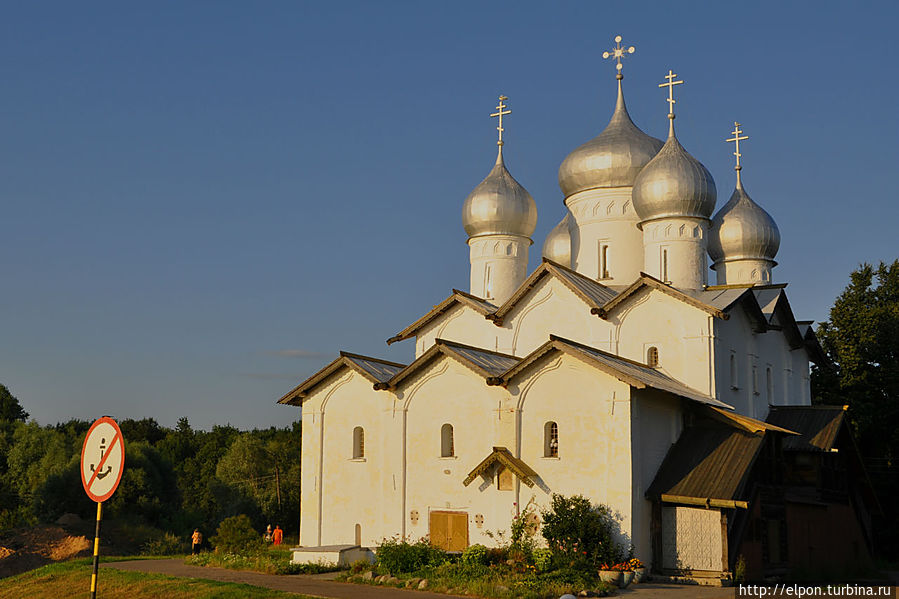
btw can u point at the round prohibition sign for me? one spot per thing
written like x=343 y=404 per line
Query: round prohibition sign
x=102 y=459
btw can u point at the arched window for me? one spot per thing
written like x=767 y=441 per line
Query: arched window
x=652 y=357
x=604 y=261
x=551 y=440
x=664 y=268
x=447 y=449
x=358 y=534
x=358 y=443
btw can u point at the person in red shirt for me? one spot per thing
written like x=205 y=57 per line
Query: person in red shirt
x=277 y=535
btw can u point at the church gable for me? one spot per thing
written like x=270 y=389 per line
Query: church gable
x=450 y=308
x=374 y=370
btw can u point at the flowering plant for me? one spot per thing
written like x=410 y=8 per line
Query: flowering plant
x=634 y=563
x=622 y=567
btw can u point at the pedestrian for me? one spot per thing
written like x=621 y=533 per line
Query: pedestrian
x=277 y=535
x=267 y=536
x=195 y=541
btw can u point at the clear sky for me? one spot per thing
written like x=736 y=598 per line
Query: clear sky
x=202 y=202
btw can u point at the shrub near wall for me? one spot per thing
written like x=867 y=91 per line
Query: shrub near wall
x=398 y=557
x=236 y=535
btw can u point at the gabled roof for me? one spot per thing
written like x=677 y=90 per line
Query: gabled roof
x=812 y=344
x=373 y=369
x=708 y=466
x=594 y=294
x=503 y=456
x=648 y=282
x=750 y=425
x=818 y=426
x=627 y=371
x=484 y=362
x=478 y=304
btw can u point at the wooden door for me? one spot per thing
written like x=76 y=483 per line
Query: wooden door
x=449 y=530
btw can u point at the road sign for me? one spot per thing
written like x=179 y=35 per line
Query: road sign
x=102 y=459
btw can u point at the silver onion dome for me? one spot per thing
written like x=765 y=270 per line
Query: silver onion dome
x=611 y=159
x=499 y=205
x=674 y=184
x=743 y=230
x=557 y=246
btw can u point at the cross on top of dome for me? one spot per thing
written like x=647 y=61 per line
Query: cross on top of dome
x=737 y=138
x=500 y=111
x=618 y=52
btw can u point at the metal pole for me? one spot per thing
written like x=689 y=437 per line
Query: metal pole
x=96 y=551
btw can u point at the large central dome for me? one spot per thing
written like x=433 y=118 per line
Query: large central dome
x=613 y=158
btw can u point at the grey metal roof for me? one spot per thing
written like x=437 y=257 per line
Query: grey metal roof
x=707 y=462
x=379 y=370
x=722 y=299
x=457 y=297
x=599 y=294
x=767 y=299
x=818 y=426
x=489 y=361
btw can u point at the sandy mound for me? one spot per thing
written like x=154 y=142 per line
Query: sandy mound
x=27 y=548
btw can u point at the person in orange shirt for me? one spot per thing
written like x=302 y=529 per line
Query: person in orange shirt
x=277 y=535
x=196 y=540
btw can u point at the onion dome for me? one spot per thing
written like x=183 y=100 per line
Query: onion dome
x=743 y=230
x=674 y=184
x=557 y=246
x=611 y=159
x=499 y=205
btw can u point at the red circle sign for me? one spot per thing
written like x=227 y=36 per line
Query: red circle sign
x=102 y=459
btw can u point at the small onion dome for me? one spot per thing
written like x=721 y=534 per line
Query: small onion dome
x=557 y=246
x=743 y=230
x=611 y=159
x=674 y=184
x=499 y=205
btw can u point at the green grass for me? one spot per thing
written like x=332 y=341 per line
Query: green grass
x=268 y=561
x=72 y=580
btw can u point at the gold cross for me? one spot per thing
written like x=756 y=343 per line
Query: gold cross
x=499 y=113
x=670 y=85
x=618 y=53
x=736 y=139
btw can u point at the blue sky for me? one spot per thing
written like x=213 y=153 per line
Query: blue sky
x=202 y=202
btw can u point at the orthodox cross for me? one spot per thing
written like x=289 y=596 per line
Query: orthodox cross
x=737 y=138
x=618 y=53
x=500 y=111
x=670 y=85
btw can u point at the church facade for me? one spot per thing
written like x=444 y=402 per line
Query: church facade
x=615 y=370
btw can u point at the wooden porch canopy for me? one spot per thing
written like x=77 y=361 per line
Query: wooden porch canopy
x=503 y=456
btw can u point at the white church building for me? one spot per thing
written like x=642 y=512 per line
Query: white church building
x=582 y=377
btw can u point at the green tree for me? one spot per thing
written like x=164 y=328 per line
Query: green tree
x=10 y=408
x=861 y=339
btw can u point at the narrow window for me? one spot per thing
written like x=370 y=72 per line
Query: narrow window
x=665 y=266
x=733 y=371
x=488 y=283
x=358 y=534
x=447 y=450
x=551 y=440
x=652 y=357
x=603 y=261
x=755 y=379
x=769 y=385
x=358 y=443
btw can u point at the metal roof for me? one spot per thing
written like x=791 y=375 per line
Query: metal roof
x=457 y=297
x=818 y=426
x=373 y=369
x=708 y=465
x=378 y=369
x=488 y=361
x=484 y=362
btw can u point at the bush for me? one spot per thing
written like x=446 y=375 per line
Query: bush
x=542 y=559
x=474 y=555
x=579 y=533
x=166 y=544
x=399 y=557
x=236 y=535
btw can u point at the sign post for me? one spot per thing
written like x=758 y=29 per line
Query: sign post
x=102 y=464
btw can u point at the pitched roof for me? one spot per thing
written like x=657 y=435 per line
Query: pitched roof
x=648 y=282
x=484 y=362
x=503 y=456
x=628 y=371
x=456 y=298
x=592 y=293
x=707 y=466
x=817 y=426
x=373 y=369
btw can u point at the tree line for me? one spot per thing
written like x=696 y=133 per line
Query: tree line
x=175 y=479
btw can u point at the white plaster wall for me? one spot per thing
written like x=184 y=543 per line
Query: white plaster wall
x=346 y=491
x=685 y=240
x=463 y=325
x=499 y=265
x=605 y=216
x=679 y=331
x=743 y=271
x=657 y=423
x=448 y=392
x=691 y=538
x=551 y=308
x=593 y=411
